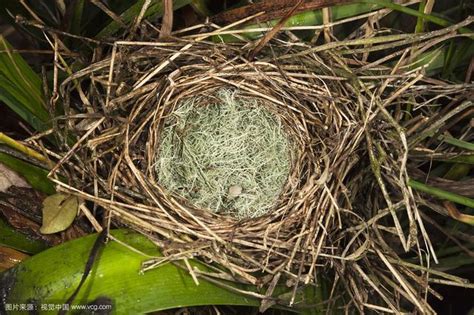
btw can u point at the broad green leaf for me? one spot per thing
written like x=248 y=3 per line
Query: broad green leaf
x=34 y=175
x=53 y=275
x=59 y=211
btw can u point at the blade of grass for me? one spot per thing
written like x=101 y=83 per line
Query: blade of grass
x=459 y=53
x=76 y=19
x=17 y=70
x=437 y=59
x=441 y=194
x=419 y=21
x=17 y=106
x=457 y=171
x=428 y=17
x=462 y=158
x=21 y=88
x=458 y=143
x=454 y=262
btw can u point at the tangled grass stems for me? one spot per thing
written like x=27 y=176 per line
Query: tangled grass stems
x=230 y=156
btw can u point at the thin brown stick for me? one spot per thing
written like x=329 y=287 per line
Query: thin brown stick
x=167 y=24
x=262 y=42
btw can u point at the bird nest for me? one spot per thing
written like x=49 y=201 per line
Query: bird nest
x=337 y=215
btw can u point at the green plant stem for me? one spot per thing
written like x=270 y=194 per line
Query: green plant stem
x=309 y=18
x=428 y=17
x=458 y=143
x=420 y=22
x=21 y=147
x=442 y=194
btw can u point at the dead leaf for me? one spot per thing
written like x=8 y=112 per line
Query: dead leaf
x=10 y=257
x=9 y=178
x=59 y=211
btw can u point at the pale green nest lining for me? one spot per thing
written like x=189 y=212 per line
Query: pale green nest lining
x=230 y=156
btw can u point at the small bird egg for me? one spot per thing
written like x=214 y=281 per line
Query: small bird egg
x=235 y=191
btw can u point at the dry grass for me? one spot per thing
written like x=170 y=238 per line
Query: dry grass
x=346 y=211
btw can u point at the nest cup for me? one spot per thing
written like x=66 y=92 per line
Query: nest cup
x=224 y=152
x=348 y=162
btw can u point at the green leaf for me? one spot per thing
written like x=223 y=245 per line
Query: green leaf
x=59 y=211
x=419 y=22
x=305 y=19
x=34 y=175
x=428 y=17
x=76 y=19
x=201 y=7
x=21 y=88
x=154 y=10
x=459 y=54
x=458 y=143
x=12 y=238
x=442 y=194
x=53 y=275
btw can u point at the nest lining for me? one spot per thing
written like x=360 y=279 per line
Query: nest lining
x=224 y=153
